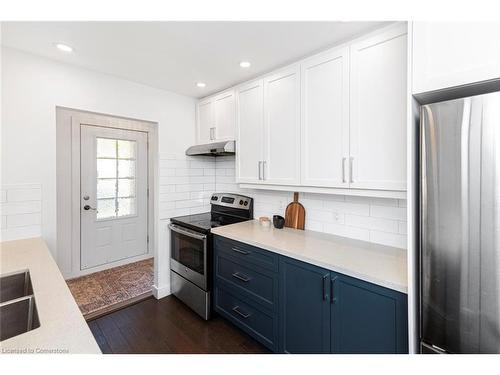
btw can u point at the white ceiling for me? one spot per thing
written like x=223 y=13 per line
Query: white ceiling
x=175 y=55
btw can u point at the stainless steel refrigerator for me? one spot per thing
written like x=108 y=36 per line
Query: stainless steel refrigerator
x=460 y=225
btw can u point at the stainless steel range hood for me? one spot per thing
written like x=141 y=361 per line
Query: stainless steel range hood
x=212 y=149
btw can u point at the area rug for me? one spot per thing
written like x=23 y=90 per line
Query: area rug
x=102 y=292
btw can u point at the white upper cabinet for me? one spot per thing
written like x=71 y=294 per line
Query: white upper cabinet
x=325 y=119
x=250 y=132
x=448 y=54
x=378 y=111
x=216 y=118
x=282 y=127
x=205 y=120
x=224 y=112
x=334 y=122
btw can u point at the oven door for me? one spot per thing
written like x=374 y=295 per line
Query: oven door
x=188 y=254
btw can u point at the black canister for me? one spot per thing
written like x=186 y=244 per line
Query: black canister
x=278 y=221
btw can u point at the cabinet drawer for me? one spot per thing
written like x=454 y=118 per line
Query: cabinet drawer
x=247 y=253
x=257 y=323
x=260 y=283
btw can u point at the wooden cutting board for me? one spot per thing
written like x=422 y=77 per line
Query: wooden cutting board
x=295 y=214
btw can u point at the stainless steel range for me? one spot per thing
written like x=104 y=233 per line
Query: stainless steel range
x=191 y=248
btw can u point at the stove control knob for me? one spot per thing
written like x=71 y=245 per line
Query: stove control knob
x=241 y=202
x=246 y=203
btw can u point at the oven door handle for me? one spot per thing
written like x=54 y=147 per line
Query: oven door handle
x=189 y=233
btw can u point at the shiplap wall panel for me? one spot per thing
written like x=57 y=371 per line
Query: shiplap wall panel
x=21 y=211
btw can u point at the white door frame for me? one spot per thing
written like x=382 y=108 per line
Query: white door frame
x=116 y=123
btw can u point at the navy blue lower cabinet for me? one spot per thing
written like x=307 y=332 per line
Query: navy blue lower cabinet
x=295 y=307
x=367 y=318
x=304 y=307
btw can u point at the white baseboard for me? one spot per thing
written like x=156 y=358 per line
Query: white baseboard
x=161 y=291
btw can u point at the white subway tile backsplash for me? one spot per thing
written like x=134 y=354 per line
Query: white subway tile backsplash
x=348 y=207
x=347 y=231
x=388 y=212
x=223 y=164
x=3 y=196
x=167 y=172
x=312 y=203
x=166 y=205
x=369 y=222
x=3 y=222
x=186 y=183
x=320 y=215
x=384 y=202
x=166 y=189
x=314 y=225
x=201 y=195
x=182 y=172
x=175 y=164
x=202 y=179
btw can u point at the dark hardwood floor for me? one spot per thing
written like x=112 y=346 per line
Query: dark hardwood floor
x=168 y=326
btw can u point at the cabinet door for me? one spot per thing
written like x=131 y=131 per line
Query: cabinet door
x=224 y=116
x=447 y=54
x=325 y=119
x=367 y=318
x=282 y=127
x=378 y=111
x=249 y=131
x=304 y=307
x=205 y=120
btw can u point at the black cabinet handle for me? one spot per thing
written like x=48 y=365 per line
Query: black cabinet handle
x=237 y=310
x=325 y=292
x=332 y=290
x=241 y=277
x=240 y=251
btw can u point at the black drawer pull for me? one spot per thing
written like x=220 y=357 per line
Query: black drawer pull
x=241 y=277
x=240 y=251
x=237 y=310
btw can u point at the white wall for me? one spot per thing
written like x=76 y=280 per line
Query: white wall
x=378 y=220
x=32 y=87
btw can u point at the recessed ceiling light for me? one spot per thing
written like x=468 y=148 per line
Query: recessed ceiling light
x=64 y=47
x=245 y=64
x=200 y=84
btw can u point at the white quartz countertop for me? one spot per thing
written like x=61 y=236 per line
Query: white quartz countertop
x=382 y=265
x=62 y=326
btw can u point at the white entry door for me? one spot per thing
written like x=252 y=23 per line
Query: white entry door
x=113 y=195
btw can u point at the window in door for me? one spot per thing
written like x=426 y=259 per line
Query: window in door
x=116 y=178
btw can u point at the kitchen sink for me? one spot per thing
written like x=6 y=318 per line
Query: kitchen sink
x=18 y=313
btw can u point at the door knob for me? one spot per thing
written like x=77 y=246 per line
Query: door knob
x=87 y=207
